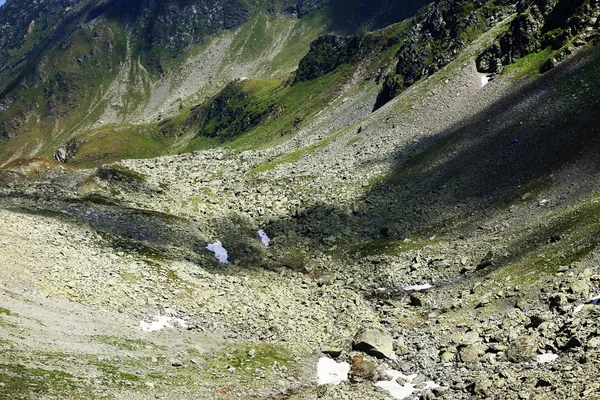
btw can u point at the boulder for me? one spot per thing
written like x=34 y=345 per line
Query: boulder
x=374 y=341
x=363 y=371
x=469 y=354
x=523 y=349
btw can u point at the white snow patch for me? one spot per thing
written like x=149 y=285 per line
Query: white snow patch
x=418 y=288
x=264 y=239
x=219 y=251
x=484 y=80
x=546 y=358
x=398 y=391
x=595 y=300
x=161 y=322
x=330 y=372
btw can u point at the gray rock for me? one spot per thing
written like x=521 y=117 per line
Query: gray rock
x=579 y=288
x=373 y=341
x=523 y=349
x=446 y=357
x=468 y=354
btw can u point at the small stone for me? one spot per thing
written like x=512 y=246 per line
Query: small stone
x=446 y=357
x=440 y=391
x=334 y=349
x=558 y=300
x=481 y=385
x=579 y=288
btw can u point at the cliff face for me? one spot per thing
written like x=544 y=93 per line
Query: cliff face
x=542 y=24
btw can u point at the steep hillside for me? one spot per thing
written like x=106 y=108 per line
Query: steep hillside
x=416 y=206
x=71 y=66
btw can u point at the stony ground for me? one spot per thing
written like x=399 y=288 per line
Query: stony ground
x=453 y=184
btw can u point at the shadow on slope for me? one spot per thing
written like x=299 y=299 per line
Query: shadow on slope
x=461 y=177
x=355 y=16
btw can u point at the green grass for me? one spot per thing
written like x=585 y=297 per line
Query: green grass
x=565 y=237
x=529 y=66
x=20 y=382
x=248 y=368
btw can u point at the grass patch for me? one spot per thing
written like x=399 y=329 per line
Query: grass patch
x=566 y=237
x=20 y=382
x=249 y=364
x=528 y=67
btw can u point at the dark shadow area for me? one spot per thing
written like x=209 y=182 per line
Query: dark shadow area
x=480 y=165
x=358 y=16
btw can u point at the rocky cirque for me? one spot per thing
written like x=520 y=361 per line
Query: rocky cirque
x=395 y=249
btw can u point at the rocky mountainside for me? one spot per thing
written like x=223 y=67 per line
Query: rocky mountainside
x=300 y=200
x=68 y=67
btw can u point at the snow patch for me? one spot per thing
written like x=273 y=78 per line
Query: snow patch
x=418 y=288
x=330 y=372
x=594 y=300
x=484 y=80
x=161 y=322
x=264 y=239
x=546 y=358
x=398 y=391
x=219 y=250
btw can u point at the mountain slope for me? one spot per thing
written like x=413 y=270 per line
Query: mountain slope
x=456 y=221
x=71 y=66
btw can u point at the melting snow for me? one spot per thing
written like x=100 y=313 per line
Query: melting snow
x=398 y=391
x=330 y=372
x=546 y=358
x=484 y=80
x=418 y=288
x=162 y=322
x=264 y=239
x=219 y=251
x=594 y=300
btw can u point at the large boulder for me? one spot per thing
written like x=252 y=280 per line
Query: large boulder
x=523 y=349
x=374 y=341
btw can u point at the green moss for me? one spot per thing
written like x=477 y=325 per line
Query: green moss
x=20 y=382
x=247 y=363
x=4 y=311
